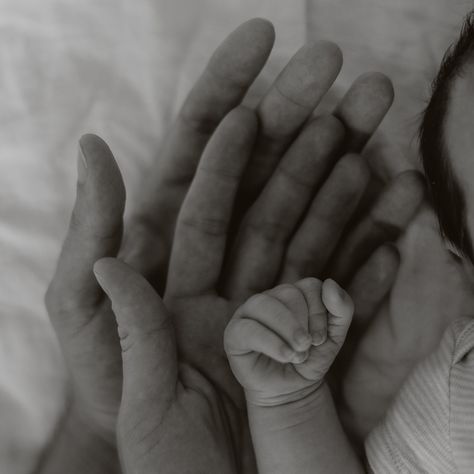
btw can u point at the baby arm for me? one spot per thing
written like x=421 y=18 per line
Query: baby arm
x=280 y=345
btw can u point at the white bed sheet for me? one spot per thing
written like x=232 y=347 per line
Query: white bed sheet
x=120 y=69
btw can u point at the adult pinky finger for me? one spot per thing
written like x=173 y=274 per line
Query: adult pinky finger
x=373 y=282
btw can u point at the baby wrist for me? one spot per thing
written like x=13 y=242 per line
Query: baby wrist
x=292 y=413
x=264 y=399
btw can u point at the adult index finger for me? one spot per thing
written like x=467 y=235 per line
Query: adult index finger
x=223 y=84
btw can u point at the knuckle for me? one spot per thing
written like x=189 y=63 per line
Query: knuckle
x=287 y=291
x=205 y=225
x=295 y=177
x=242 y=122
x=314 y=373
x=271 y=231
x=312 y=284
x=382 y=227
x=199 y=121
x=138 y=335
x=353 y=168
x=256 y=301
x=284 y=351
x=104 y=227
x=327 y=127
x=299 y=257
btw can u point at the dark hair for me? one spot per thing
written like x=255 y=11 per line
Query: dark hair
x=444 y=190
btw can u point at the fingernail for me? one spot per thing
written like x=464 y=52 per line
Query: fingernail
x=300 y=357
x=81 y=166
x=302 y=338
x=340 y=292
x=97 y=274
x=318 y=337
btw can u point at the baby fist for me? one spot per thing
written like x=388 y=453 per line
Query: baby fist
x=282 y=342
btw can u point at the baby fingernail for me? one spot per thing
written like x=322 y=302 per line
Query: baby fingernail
x=288 y=353
x=302 y=338
x=318 y=337
x=300 y=357
x=340 y=292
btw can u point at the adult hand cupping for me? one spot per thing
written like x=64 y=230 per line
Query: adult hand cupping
x=172 y=418
x=430 y=291
x=276 y=240
x=79 y=312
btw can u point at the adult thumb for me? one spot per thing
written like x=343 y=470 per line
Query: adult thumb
x=147 y=339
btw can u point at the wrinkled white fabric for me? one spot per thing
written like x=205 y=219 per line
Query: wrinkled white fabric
x=120 y=69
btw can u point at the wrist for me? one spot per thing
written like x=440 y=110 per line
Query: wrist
x=301 y=436
x=267 y=399
x=303 y=406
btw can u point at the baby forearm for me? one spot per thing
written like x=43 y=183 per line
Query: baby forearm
x=303 y=437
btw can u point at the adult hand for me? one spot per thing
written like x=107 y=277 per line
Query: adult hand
x=185 y=420
x=430 y=291
x=172 y=419
x=201 y=296
x=78 y=310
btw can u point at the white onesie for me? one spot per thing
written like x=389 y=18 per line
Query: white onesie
x=430 y=427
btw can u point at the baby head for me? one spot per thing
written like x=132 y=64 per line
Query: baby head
x=447 y=143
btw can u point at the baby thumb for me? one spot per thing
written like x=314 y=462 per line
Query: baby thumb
x=340 y=308
x=146 y=336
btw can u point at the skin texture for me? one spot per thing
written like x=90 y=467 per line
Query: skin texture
x=162 y=400
x=280 y=345
x=205 y=279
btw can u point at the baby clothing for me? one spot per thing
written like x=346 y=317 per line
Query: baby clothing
x=430 y=427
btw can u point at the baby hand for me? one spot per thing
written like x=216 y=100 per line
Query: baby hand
x=282 y=342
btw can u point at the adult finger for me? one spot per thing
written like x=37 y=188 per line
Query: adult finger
x=201 y=231
x=363 y=108
x=145 y=330
x=150 y=367
x=369 y=288
x=372 y=283
x=95 y=231
x=223 y=84
x=326 y=220
x=286 y=107
x=260 y=246
x=385 y=221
